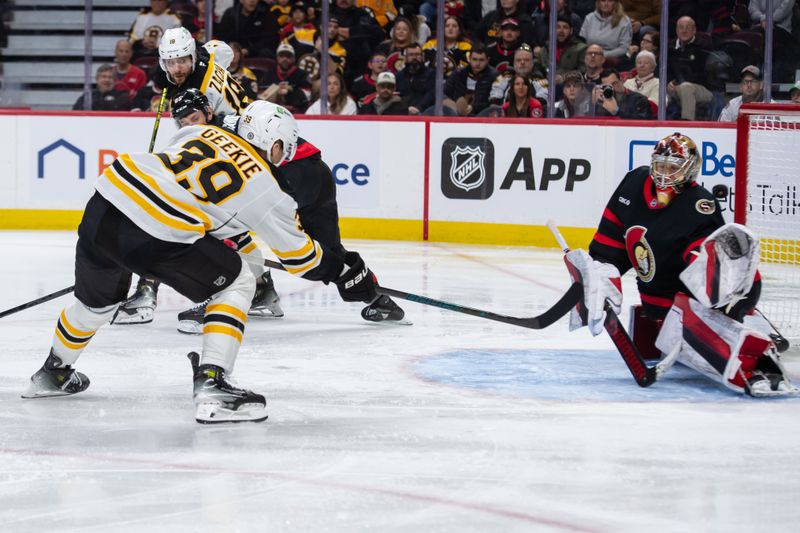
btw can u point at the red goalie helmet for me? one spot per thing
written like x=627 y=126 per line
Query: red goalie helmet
x=675 y=162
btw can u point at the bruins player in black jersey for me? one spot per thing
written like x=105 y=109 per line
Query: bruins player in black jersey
x=307 y=179
x=697 y=276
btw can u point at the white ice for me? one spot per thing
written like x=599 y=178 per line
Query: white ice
x=454 y=424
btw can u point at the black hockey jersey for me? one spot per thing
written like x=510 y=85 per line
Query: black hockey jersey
x=656 y=242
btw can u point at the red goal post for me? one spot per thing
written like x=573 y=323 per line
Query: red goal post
x=767 y=200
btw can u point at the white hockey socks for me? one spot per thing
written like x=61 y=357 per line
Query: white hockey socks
x=76 y=326
x=225 y=318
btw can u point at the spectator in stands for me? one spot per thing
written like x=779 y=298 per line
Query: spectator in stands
x=644 y=82
x=609 y=27
x=402 y=36
x=287 y=85
x=752 y=91
x=149 y=96
x=785 y=52
x=249 y=23
x=582 y=7
x=686 y=60
x=280 y=11
x=570 y=51
x=337 y=42
x=455 y=42
x=489 y=27
x=416 y=83
x=501 y=52
x=104 y=96
x=297 y=21
x=365 y=84
x=384 y=101
x=468 y=88
x=794 y=93
x=246 y=77
x=593 y=63
x=645 y=16
x=339 y=102
x=523 y=64
x=577 y=100
x=612 y=99
x=148 y=27
x=520 y=102
x=541 y=21
x=127 y=77
x=360 y=29
x=384 y=10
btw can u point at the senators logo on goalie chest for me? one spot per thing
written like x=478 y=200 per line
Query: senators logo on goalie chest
x=468 y=168
x=640 y=253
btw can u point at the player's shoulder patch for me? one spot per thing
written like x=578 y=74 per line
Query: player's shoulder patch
x=705 y=206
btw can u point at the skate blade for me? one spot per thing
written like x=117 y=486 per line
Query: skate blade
x=389 y=322
x=786 y=393
x=190 y=327
x=212 y=413
x=142 y=316
x=265 y=313
x=35 y=392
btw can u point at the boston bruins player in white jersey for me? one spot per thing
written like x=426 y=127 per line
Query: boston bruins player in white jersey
x=165 y=216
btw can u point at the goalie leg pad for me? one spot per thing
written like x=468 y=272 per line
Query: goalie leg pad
x=725 y=267
x=719 y=347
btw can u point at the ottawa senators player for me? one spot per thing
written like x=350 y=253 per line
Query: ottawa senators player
x=697 y=276
x=161 y=216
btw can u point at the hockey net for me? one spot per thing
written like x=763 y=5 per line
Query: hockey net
x=768 y=169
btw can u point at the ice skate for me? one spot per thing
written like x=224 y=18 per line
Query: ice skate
x=190 y=321
x=383 y=309
x=54 y=380
x=139 y=308
x=767 y=384
x=266 y=301
x=217 y=400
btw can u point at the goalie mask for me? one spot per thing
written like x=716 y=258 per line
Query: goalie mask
x=175 y=44
x=674 y=166
x=188 y=102
x=263 y=123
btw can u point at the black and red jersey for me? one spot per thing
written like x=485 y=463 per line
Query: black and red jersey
x=656 y=242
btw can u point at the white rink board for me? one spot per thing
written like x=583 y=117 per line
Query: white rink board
x=50 y=162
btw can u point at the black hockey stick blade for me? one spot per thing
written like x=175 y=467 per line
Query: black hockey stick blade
x=43 y=299
x=643 y=374
x=559 y=309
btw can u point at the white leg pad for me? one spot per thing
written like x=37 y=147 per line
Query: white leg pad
x=711 y=343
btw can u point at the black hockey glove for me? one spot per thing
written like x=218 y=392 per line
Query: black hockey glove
x=357 y=283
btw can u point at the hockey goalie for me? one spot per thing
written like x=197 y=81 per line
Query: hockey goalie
x=697 y=276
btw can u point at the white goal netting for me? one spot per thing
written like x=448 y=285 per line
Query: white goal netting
x=771 y=177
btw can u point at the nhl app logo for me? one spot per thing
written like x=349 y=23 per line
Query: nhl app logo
x=467 y=168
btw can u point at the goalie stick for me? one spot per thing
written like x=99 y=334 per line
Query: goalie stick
x=643 y=374
x=558 y=310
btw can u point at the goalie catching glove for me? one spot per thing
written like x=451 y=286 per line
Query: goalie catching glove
x=601 y=284
x=724 y=268
x=357 y=282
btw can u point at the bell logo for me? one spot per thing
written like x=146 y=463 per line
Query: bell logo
x=467 y=168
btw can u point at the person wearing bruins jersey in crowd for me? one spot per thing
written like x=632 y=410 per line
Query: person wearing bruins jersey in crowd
x=160 y=215
x=696 y=275
x=148 y=27
x=185 y=65
x=455 y=43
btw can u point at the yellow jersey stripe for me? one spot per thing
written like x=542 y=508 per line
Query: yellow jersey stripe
x=69 y=344
x=292 y=254
x=223 y=330
x=225 y=308
x=75 y=332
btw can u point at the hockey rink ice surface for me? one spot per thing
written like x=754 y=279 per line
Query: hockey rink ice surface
x=454 y=424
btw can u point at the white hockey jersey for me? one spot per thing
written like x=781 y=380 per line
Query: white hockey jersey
x=210 y=181
x=153 y=26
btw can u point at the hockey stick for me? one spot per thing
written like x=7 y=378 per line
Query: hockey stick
x=559 y=309
x=43 y=299
x=643 y=374
x=158 y=119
